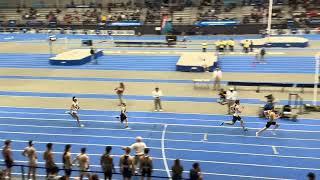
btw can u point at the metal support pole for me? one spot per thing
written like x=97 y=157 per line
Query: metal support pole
x=316 y=79
x=269 y=17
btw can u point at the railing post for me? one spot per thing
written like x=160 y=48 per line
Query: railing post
x=22 y=172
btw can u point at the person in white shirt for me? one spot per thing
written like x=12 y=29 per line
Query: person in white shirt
x=74 y=110
x=232 y=95
x=237 y=110
x=31 y=153
x=157 y=94
x=217 y=76
x=139 y=147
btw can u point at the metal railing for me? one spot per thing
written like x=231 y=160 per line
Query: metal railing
x=21 y=171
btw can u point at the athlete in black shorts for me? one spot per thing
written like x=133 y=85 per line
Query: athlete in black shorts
x=236 y=109
x=272 y=122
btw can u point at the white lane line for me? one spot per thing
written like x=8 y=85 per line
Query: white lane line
x=154 y=131
x=274 y=149
x=163 y=150
x=62 y=110
x=144 y=123
x=212 y=142
x=151 y=117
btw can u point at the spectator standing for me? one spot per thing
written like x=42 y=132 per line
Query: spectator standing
x=8 y=159
x=262 y=54
x=251 y=46
x=48 y=157
x=119 y=91
x=232 y=96
x=176 y=170
x=217 y=76
x=231 y=44
x=126 y=164
x=84 y=163
x=146 y=166
x=204 y=46
x=106 y=162
x=139 y=146
x=246 y=45
x=195 y=172
x=67 y=161
x=31 y=154
x=93 y=58
x=157 y=94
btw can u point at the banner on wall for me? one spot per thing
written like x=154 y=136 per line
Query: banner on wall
x=217 y=23
x=128 y=23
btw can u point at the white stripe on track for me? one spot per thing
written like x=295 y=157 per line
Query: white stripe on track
x=163 y=150
x=145 y=123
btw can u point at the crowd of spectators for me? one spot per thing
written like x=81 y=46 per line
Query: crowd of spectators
x=30 y=14
x=135 y=160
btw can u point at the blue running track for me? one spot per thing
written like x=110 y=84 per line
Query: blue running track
x=107 y=62
x=229 y=153
x=282 y=64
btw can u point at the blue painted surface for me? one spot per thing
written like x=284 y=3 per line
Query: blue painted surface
x=131 y=97
x=228 y=154
x=108 y=62
x=273 y=64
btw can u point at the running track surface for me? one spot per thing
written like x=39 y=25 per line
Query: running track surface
x=229 y=153
x=166 y=63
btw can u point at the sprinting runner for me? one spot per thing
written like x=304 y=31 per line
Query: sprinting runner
x=31 y=153
x=74 y=110
x=272 y=121
x=123 y=114
x=236 y=109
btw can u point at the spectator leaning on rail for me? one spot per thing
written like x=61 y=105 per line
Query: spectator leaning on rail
x=139 y=147
x=146 y=165
x=176 y=170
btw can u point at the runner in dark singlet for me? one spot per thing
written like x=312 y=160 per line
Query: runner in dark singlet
x=126 y=165
x=107 y=165
x=146 y=165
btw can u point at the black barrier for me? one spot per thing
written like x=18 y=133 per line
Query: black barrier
x=23 y=172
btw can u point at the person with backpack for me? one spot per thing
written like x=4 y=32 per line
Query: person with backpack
x=237 y=110
x=106 y=162
x=126 y=164
x=146 y=165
